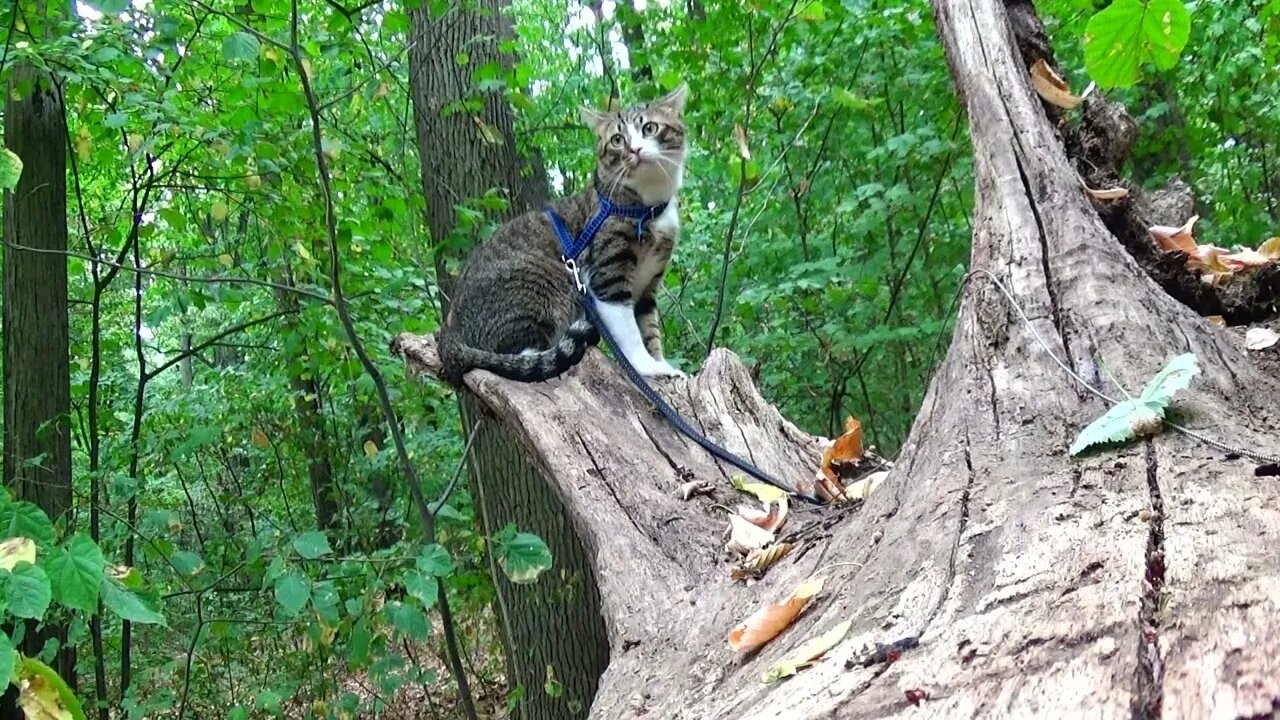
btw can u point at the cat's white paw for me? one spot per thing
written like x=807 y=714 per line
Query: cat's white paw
x=663 y=369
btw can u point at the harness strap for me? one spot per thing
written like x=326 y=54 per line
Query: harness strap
x=573 y=247
x=668 y=412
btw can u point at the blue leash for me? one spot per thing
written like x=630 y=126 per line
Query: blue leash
x=572 y=248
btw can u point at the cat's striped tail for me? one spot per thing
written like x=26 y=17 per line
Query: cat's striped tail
x=458 y=359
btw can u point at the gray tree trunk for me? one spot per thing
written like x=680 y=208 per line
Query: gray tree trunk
x=1137 y=582
x=466 y=153
x=37 y=375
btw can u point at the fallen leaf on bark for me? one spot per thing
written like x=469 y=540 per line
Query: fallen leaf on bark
x=745 y=537
x=766 y=493
x=808 y=653
x=1143 y=416
x=1050 y=85
x=916 y=696
x=766 y=623
x=695 y=487
x=846 y=448
x=1260 y=338
x=860 y=489
x=1176 y=238
x=1271 y=248
x=1114 y=193
x=770 y=517
x=758 y=561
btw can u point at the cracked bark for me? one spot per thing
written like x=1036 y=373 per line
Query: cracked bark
x=1036 y=582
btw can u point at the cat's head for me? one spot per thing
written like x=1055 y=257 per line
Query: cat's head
x=641 y=147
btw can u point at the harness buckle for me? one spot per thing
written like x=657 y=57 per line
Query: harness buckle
x=572 y=266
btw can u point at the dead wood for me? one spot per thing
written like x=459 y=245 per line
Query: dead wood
x=1138 y=582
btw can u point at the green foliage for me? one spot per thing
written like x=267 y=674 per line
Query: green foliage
x=10 y=169
x=75 y=571
x=523 y=556
x=1144 y=416
x=1128 y=33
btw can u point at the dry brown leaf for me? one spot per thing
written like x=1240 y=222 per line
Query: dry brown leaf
x=846 y=448
x=1176 y=238
x=745 y=537
x=1260 y=338
x=860 y=489
x=1271 y=248
x=743 y=151
x=770 y=517
x=757 y=562
x=1245 y=259
x=693 y=488
x=1217 y=320
x=766 y=623
x=1050 y=85
x=260 y=439
x=1114 y=193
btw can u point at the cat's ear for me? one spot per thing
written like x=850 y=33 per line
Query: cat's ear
x=592 y=118
x=674 y=100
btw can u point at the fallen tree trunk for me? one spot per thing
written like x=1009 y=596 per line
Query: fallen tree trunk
x=1138 y=582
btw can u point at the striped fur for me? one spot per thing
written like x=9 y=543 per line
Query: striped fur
x=514 y=308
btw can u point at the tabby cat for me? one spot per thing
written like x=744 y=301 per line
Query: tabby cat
x=515 y=309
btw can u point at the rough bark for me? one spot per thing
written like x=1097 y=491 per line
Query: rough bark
x=1137 y=582
x=466 y=142
x=37 y=379
x=466 y=137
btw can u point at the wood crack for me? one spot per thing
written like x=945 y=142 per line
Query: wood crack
x=609 y=486
x=1148 y=692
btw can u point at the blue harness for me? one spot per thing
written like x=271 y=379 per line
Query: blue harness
x=571 y=248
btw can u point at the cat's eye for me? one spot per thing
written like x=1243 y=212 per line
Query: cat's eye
x=649 y=128
x=617 y=140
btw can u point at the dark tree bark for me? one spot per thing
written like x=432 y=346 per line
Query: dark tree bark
x=37 y=375
x=466 y=153
x=1139 y=582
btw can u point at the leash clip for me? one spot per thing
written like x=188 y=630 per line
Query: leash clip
x=572 y=266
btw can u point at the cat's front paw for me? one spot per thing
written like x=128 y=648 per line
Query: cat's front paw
x=663 y=369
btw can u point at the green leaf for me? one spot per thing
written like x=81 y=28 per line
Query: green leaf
x=293 y=590
x=523 y=556
x=435 y=560
x=423 y=587
x=1172 y=378
x=112 y=7
x=8 y=658
x=187 y=563
x=240 y=46
x=16 y=550
x=312 y=544
x=127 y=604
x=1119 y=38
x=75 y=571
x=1167 y=27
x=1138 y=418
x=27 y=589
x=408 y=620
x=24 y=519
x=10 y=169
x=43 y=694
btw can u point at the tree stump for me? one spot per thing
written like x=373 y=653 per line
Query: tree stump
x=1136 y=582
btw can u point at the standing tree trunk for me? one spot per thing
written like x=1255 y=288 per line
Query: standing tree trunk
x=1138 y=582
x=467 y=144
x=37 y=375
